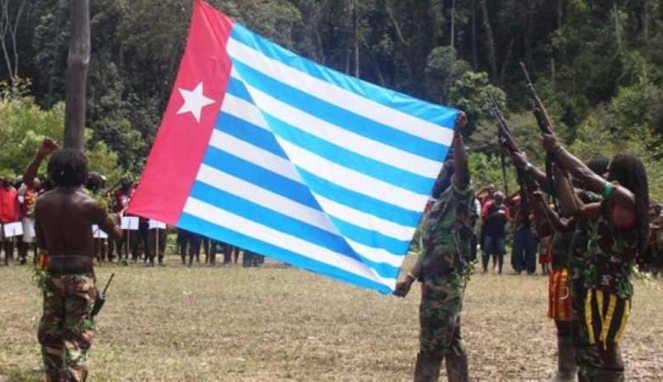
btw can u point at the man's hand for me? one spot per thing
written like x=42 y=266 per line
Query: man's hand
x=461 y=121
x=403 y=287
x=47 y=147
x=550 y=142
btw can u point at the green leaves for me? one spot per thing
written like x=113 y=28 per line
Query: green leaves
x=23 y=126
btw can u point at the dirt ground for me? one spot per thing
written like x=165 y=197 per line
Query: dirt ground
x=283 y=324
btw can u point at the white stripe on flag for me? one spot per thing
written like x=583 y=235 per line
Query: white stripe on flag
x=254 y=154
x=260 y=196
x=353 y=180
x=283 y=167
x=243 y=109
x=290 y=208
x=338 y=96
x=376 y=255
x=277 y=238
x=364 y=220
x=344 y=138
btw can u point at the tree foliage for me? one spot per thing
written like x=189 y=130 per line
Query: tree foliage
x=598 y=64
x=23 y=126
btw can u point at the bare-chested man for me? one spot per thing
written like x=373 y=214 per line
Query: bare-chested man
x=64 y=218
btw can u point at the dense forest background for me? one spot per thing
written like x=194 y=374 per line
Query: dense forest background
x=598 y=65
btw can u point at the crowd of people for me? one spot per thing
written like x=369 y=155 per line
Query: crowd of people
x=504 y=220
x=146 y=243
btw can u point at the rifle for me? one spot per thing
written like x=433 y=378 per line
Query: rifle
x=540 y=113
x=101 y=298
x=543 y=223
x=545 y=125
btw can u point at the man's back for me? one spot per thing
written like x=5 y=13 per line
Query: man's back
x=65 y=218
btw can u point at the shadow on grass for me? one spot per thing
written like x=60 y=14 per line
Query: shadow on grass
x=20 y=375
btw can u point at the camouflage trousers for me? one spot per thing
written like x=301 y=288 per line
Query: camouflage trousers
x=67 y=326
x=439 y=317
x=594 y=359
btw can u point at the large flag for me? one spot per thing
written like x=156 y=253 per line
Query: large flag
x=268 y=151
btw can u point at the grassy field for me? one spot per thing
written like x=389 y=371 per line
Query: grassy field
x=283 y=324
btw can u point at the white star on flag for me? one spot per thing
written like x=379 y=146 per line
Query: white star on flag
x=194 y=101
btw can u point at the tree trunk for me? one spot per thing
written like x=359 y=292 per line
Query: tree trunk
x=453 y=22
x=646 y=21
x=490 y=42
x=560 y=13
x=357 y=40
x=507 y=59
x=618 y=33
x=8 y=30
x=473 y=16
x=77 y=68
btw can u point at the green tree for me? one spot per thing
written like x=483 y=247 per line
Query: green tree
x=24 y=124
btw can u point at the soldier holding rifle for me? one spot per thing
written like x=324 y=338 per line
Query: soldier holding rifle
x=559 y=302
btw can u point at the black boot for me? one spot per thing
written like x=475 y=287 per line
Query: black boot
x=566 y=361
x=457 y=368
x=427 y=368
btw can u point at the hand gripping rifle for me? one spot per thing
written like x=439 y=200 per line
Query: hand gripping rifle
x=528 y=185
x=101 y=298
x=545 y=125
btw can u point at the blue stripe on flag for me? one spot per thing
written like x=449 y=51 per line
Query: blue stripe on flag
x=194 y=224
x=360 y=202
x=348 y=159
x=251 y=173
x=370 y=238
x=265 y=216
x=339 y=116
x=250 y=133
x=238 y=89
x=286 y=224
x=439 y=115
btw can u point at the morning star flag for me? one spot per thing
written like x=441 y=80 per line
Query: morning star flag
x=268 y=151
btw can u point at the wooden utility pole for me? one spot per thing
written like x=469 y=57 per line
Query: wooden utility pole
x=77 y=67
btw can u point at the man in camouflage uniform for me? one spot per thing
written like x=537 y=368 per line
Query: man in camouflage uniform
x=64 y=219
x=443 y=269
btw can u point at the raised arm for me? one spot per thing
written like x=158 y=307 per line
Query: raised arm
x=621 y=196
x=462 y=171
x=461 y=179
x=522 y=163
x=46 y=148
x=559 y=223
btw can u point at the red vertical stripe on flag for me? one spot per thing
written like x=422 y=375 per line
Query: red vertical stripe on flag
x=189 y=120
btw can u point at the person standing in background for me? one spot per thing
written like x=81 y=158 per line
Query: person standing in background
x=9 y=213
x=27 y=198
x=495 y=216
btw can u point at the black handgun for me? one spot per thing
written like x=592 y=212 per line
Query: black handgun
x=101 y=298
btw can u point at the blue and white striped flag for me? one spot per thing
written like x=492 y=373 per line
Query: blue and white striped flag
x=281 y=156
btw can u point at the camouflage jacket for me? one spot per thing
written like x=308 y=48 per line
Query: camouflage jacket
x=448 y=231
x=611 y=254
x=579 y=261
